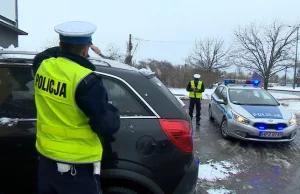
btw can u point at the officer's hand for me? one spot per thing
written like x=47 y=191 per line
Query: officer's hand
x=95 y=49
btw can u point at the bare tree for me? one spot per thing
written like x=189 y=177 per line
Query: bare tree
x=54 y=41
x=113 y=52
x=263 y=49
x=209 y=55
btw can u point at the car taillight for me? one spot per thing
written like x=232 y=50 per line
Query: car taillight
x=179 y=132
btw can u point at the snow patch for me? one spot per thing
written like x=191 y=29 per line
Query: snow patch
x=285 y=88
x=280 y=96
x=7 y=121
x=116 y=64
x=220 y=191
x=278 y=162
x=217 y=171
x=293 y=106
x=146 y=72
x=184 y=95
x=4 y=120
x=13 y=48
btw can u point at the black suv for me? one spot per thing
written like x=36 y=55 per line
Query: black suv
x=151 y=154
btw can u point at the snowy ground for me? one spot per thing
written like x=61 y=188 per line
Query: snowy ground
x=233 y=167
x=286 y=88
x=292 y=101
x=183 y=94
x=217 y=171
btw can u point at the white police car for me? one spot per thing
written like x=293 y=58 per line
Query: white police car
x=248 y=112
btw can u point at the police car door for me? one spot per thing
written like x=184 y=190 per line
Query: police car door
x=222 y=95
x=214 y=98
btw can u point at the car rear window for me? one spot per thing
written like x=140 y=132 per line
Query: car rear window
x=121 y=97
x=17 y=95
x=166 y=91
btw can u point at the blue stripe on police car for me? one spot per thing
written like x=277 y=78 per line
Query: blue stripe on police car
x=272 y=112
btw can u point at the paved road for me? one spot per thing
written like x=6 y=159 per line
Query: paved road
x=266 y=168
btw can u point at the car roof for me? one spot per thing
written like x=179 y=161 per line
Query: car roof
x=150 y=90
x=28 y=56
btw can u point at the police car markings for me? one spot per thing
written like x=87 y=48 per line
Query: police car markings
x=61 y=88
x=264 y=111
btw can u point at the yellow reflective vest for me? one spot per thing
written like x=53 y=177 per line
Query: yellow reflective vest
x=194 y=94
x=63 y=132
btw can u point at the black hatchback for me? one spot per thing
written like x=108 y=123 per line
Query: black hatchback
x=152 y=153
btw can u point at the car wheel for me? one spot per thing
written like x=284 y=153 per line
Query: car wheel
x=119 y=190
x=224 y=129
x=210 y=114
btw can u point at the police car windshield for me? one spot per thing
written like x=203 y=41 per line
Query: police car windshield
x=255 y=97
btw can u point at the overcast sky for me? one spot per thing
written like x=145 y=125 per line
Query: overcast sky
x=162 y=20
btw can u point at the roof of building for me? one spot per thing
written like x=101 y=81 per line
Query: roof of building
x=13 y=28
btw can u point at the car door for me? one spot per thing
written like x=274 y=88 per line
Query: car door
x=18 y=158
x=215 y=106
x=223 y=107
x=137 y=127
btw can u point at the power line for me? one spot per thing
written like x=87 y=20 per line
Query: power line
x=164 y=41
x=135 y=47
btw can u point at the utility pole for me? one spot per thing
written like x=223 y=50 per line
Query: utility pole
x=16 y=14
x=295 y=68
x=129 y=48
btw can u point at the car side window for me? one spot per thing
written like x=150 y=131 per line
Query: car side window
x=224 y=94
x=218 y=91
x=17 y=95
x=123 y=98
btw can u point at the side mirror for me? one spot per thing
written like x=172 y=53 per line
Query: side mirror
x=220 y=101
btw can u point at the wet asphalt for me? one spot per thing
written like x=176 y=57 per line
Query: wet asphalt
x=265 y=168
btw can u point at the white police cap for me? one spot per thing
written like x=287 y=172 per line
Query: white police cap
x=197 y=76
x=76 y=32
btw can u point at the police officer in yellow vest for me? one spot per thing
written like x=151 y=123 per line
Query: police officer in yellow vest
x=72 y=113
x=195 y=89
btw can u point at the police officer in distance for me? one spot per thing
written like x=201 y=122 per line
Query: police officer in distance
x=72 y=113
x=195 y=88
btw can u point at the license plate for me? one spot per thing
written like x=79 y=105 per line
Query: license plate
x=270 y=134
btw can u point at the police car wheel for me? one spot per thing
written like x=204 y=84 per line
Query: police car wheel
x=210 y=114
x=224 y=129
x=119 y=190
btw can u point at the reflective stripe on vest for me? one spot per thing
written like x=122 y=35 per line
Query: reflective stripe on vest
x=195 y=94
x=63 y=132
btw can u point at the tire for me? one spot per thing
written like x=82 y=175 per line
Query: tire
x=119 y=190
x=211 y=118
x=224 y=129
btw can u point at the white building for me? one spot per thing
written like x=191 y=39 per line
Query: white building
x=9 y=31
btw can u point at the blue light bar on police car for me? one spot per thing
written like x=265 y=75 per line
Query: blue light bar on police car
x=236 y=81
